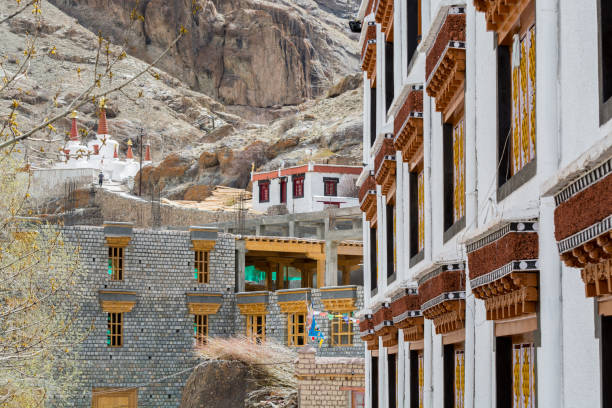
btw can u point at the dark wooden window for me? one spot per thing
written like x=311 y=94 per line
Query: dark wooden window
x=389 y=85
x=283 y=190
x=264 y=191
x=296 y=329
x=503 y=372
x=449 y=376
x=606 y=361
x=391 y=264
x=330 y=186
x=115 y=263
x=415 y=380
x=298 y=186
x=202 y=263
x=256 y=328
x=414 y=26
x=373 y=260
x=454 y=174
x=114 y=331
x=516 y=96
x=341 y=331
x=374 y=382
x=372 y=115
x=417 y=212
x=605 y=60
x=392 y=379
x=200 y=328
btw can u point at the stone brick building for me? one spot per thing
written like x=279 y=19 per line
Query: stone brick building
x=149 y=294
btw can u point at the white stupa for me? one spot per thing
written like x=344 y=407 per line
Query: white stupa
x=101 y=153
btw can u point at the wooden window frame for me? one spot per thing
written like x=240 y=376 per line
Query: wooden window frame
x=264 y=191
x=283 y=190
x=390 y=214
x=116 y=262
x=297 y=182
x=392 y=379
x=373 y=260
x=256 y=331
x=454 y=377
x=508 y=178
x=453 y=221
x=202 y=265
x=417 y=251
x=114 y=329
x=373 y=115
x=389 y=74
x=374 y=381
x=337 y=326
x=414 y=33
x=99 y=395
x=293 y=329
x=331 y=182
x=604 y=39
x=200 y=328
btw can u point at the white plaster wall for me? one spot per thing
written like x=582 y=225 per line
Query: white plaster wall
x=581 y=356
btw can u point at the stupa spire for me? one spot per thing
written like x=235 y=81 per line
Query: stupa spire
x=102 y=127
x=74 y=136
x=130 y=154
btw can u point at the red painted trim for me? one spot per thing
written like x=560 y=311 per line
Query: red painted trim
x=318 y=168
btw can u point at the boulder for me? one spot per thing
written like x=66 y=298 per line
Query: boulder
x=217 y=385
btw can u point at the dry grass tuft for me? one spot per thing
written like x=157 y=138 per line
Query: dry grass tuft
x=272 y=364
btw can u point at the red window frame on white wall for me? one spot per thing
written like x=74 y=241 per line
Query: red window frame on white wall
x=298 y=185
x=264 y=191
x=330 y=186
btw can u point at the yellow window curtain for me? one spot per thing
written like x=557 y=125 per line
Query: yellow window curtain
x=523 y=141
x=421 y=209
x=523 y=375
x=421 y=380
x=459 y=378
x=459 y=170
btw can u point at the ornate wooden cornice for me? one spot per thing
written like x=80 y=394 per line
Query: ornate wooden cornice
x=383 y=320
x=501 y=15
x=384 y=165
x=384 y=14
x=406 y=311
x=116 y=301
x=117 y=234
x=294 y=306
x=442 y=297
x=504 y=270
x=253 y=308
x=367 y=197
x=203 y=308
x=339 y=305
x=368 y=52
x=408 y=126
x=203 y=245
x=445 y=62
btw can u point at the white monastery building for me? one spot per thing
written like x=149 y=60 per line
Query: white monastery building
x=101 y=153
x=305 y=188
x=487 y=201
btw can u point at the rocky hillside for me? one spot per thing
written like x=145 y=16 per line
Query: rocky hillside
x=252 y=53
x=197 y=141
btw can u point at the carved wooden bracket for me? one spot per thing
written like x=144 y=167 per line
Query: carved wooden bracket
x=384 y=14
x=447 y=316
x=501 y=14
x=368 y=52
x=203 y=245
x=513 y=295
x=597 y=278
x=367 y=197
x=294 y=306
x=449 y=76
x=203 y=308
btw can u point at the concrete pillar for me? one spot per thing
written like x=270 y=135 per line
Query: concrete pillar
x=331 y=263
x=320 y=232
x=292 y=229
x=258 y=229
x=240 y=265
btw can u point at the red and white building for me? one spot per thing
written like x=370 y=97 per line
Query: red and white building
x=305 y=188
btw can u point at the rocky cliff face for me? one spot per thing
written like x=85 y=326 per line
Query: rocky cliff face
x=241 y=52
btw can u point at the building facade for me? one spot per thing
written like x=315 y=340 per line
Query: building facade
x=306 y=188
x=486 y=201
x=150 y=297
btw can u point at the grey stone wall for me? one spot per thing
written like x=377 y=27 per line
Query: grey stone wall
x=276 y=326
x=158 y=332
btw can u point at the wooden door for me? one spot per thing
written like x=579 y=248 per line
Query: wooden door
x=107 y=398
